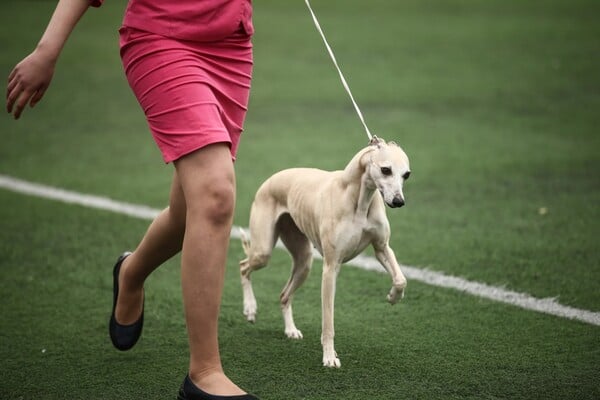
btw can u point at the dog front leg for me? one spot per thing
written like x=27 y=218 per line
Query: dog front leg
x=330 y=271
x=387 y=258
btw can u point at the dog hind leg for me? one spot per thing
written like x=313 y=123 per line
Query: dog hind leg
x=300 y=249
x=258 y=250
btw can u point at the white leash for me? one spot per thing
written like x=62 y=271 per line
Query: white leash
x=339 y=70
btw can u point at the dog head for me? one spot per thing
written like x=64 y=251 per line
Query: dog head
x=387 y=169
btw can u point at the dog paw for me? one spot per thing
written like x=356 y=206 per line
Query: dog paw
x=395 y=295
x=250 y=313
x=293 y=333
x=331 y=362
x=391 y=299
x=250 y=317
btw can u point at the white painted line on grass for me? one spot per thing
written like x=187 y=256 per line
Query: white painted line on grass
x=86 y=200
x=523 y=300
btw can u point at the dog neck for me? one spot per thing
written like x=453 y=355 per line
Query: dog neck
x=358 y=183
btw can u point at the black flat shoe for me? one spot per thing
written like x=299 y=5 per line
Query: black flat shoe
x=123 y=337
x=189 y=391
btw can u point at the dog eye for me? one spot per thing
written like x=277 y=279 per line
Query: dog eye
x=386 y=170
x=406 y=175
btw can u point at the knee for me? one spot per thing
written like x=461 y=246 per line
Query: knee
x=260 y=260
x=220 y=203
x=215 y=204
x=304 y=274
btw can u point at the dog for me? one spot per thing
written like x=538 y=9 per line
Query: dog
x=339 y=213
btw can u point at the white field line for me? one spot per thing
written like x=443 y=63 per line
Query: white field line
x=522 y=300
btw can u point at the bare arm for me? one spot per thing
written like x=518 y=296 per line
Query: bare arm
x=30 y=78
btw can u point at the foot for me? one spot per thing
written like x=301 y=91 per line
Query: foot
x=216 y=383
x=190 y=391
x=123 y=336
x=130 y=301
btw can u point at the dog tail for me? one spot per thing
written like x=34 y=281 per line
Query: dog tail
x=245 y=241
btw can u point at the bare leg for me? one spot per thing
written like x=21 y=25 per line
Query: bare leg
x=162 y=240
x=201 y=227
x=208 y=182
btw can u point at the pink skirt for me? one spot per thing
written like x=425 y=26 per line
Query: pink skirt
x=193 y=93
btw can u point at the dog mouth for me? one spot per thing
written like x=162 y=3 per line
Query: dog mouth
x=396 y=202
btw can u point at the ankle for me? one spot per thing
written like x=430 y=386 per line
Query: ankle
x=128 y=279
x=201 y=374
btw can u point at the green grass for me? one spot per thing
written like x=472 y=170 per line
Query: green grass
x=496 y=104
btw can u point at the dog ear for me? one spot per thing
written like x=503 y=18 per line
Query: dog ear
x=393 y=143
x=375 y=141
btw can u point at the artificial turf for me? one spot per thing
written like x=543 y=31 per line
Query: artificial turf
x=496 y=104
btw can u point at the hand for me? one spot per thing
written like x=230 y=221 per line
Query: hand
x=28 y=82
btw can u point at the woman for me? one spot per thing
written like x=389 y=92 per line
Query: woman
x=189 y=63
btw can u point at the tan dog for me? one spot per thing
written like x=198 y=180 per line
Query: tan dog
x=339 y=213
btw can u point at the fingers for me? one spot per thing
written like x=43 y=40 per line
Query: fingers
x=37 y=96
x=19 y=94
x=12 y=74
x=12 y=83
x=12 y=93
x=18 y=99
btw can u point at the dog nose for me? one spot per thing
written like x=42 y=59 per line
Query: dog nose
x=398 y=202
